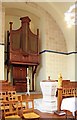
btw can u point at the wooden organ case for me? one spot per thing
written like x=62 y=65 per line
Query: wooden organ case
x=23 y=52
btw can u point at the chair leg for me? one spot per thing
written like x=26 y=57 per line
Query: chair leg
x=75 y=115
x=66 y=114
x=72 y=117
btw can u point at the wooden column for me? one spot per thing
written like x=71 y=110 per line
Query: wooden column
x=59 y=98
x=59 y=91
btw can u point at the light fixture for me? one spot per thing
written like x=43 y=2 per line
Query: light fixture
x=71 y=16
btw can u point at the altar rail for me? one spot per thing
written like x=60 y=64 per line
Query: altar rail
x=68 y=89
x=69 y=84
x=69 y=92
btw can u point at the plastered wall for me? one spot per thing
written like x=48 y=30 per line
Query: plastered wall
x=1 y=62
x=2 y=24
x=52 y=63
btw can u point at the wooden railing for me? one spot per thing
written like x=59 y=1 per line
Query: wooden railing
x=68 y=89
x=69 y=92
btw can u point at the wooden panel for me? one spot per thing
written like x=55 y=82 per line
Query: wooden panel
x=5 y=86
x=15 y=37
x=24 y=43
x=69 y=84
x=19 y=78
x=19 y=72
x=34 y=59
x=23 y=58
x=15 y=57
x=21 y=87
x=33 y=43
x=69 y=92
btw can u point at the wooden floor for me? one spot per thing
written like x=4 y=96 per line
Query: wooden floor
x=49 y=116
x=45 y=116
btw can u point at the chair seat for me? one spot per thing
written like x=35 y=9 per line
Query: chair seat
x=31 y=115
x=13 y=117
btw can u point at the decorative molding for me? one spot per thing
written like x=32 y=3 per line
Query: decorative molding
x=53 y=51
x=72 y=53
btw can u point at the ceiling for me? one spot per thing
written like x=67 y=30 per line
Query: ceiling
x=55 y=9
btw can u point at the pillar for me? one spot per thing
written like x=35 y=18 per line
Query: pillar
x=59 y=100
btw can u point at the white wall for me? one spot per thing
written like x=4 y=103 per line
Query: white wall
x=2 y=28
x=71 y=67
x=76 y=67
x=1 y=62
x=52 y=39
x=56 y=64
x=41 y=71
x=0 y=22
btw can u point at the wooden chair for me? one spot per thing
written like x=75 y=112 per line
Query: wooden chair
x=3 y=98
x=6 y=96
x=9 y=96
x=11 y=112
x=12 y=96
x=28 y=110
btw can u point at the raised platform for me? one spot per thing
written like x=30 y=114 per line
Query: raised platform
x=33 y=95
